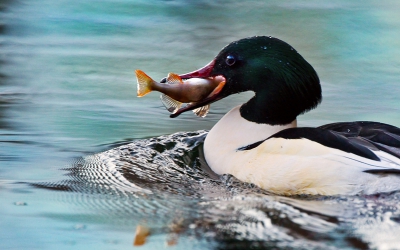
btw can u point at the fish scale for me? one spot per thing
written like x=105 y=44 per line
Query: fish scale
x=176 y=91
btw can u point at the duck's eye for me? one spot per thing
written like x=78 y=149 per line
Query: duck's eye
x=230 y=60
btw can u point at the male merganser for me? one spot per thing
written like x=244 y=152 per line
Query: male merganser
x=259 y=141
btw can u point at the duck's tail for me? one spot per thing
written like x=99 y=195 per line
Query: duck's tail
x=144 y=83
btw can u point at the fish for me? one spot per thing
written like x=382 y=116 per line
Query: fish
x=176 y=91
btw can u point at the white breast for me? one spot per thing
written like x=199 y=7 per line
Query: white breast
x=233 y=132
x=289 y=167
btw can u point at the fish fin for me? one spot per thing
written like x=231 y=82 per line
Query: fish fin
x=144 y=83
x=217 y=89
x=174 y=78
x=170 y=104
x=202 y=111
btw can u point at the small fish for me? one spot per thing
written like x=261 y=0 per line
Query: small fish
x=176 y=91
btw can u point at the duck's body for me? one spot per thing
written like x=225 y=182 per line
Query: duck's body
x=259 y=142
x=263 y=155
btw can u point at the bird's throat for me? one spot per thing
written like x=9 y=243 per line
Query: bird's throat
x=264 y=109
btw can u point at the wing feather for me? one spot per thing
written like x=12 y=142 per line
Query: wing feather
x=370 y=140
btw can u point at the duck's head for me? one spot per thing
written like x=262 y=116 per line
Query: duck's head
x=285 y=84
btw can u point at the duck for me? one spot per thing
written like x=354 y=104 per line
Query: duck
x=259 y=141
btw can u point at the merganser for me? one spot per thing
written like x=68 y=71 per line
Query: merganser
x=259 y=141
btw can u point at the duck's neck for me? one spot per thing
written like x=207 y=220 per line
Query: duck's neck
x=268 y=108
x=233 y=132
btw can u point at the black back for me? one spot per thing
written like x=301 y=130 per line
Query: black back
x=382 y=136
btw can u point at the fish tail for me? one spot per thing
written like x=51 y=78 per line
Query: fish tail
x=144 y=83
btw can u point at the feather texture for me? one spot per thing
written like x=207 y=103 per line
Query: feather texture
x=329 y=160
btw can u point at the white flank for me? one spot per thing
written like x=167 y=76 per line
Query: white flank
x=290 y=167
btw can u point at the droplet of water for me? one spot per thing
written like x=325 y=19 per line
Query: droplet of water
x=20 y=203
x=79 y=227
x=111 y=242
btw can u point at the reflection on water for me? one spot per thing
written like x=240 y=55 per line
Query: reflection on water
x=163 y=183
x=67 y=91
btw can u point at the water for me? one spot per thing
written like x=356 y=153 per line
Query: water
x=81 y=163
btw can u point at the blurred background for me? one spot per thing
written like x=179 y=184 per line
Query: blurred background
x=68 y=89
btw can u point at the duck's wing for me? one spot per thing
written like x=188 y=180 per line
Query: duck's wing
x=368 y=140
x=329 y=138
x=374 y=135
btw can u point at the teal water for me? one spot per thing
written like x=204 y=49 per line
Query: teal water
x=67 y=92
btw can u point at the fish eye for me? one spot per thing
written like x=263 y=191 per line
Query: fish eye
x=230 y=60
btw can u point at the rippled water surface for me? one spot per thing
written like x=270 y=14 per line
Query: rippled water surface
x=83 y=162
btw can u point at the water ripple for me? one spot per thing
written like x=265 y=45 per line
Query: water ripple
x=164 y=182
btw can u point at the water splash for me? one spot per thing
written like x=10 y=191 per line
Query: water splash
x=164 y=183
